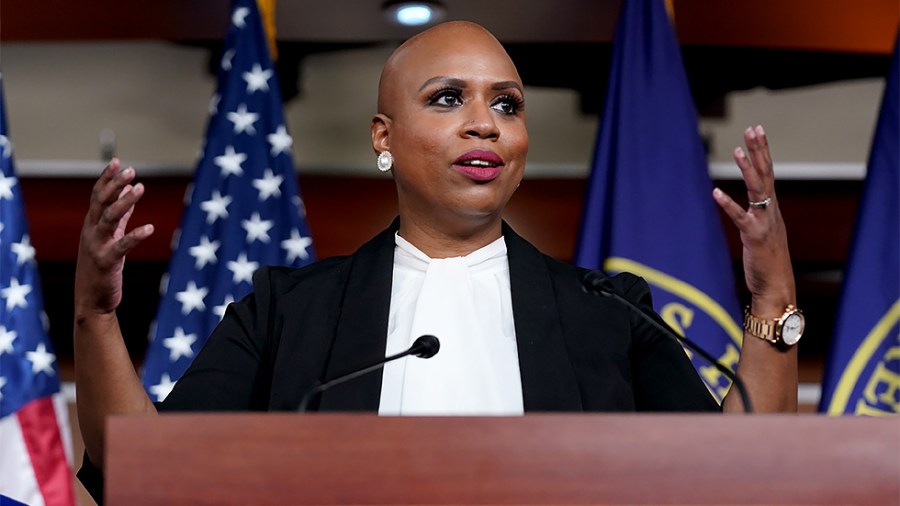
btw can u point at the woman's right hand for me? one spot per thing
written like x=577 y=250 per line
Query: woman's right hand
x=104 y=243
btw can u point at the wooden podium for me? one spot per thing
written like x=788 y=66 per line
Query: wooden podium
x=535 y=459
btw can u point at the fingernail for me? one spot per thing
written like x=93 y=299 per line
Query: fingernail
x=717 y=193
x=739 y=152
x=760 y=131
x=751 y=133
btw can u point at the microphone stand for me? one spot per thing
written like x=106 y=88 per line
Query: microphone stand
x=424 y=347
x=600 y=284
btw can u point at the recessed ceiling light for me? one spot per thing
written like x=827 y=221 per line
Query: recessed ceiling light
x=413 y=13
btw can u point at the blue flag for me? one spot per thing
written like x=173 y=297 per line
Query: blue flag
x=34 y=439
x=863 y=372
x=649 y=207
x=244 y=210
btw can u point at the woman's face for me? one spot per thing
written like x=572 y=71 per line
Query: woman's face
x=454 y=120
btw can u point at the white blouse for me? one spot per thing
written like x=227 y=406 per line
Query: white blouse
x=466 y=303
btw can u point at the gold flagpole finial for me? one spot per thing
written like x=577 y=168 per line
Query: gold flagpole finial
x=267 y=13
x=670 y=8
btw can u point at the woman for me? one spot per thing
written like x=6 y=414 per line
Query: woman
x=518 y=331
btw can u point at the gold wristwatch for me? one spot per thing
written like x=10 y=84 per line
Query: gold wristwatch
x=784 y=330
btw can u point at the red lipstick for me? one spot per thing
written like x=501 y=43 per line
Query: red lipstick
x=479 y=164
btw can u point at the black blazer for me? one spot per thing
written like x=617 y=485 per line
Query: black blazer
x=577 y=351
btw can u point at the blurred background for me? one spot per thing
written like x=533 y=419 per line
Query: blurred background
x=85 y=81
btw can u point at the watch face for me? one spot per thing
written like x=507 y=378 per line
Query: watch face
x=792 y=329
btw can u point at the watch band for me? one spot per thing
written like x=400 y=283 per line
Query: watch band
x=760 y=327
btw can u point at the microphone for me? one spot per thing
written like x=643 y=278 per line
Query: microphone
x=425 y=346
x=599 y=283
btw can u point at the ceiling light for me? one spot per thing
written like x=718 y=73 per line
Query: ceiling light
x=413 y=13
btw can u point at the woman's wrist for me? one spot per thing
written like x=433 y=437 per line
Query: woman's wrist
x=90 y=315
x=771 y=306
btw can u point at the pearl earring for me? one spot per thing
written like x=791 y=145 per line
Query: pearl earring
x=385 y=161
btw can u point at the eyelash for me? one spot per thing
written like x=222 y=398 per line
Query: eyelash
x=517 y=102
x=444 y=92
x=447 y=91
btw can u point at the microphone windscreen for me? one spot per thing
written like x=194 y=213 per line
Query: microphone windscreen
x=598 y=282
x=426 y=346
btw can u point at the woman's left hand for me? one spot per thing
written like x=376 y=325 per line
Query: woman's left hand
x=767 y=263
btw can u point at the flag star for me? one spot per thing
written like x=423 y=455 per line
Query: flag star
x=220 y=310
x=230 y=162
x=257 y=78
x=6 y=184
x=269 y=185
x=243 y=120
x=239 y=17
x=2 y=384
x=226 y=59
x=179 y=345
x=205 y=252
x=192 y=298
x=162 y=389
x=301 y=207
x=281 y=142
x=15 y=294
x=6 y=340
x=188 y=194
x=243 y=270
x=257 y=228
x=24 y=250
x=216 y=207
x=213 y=108
x=164 y=284
x=41 y=360
x=152 y=332
x=5 y=146
x=296 y=246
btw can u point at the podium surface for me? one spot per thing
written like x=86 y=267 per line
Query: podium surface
x=533 y=459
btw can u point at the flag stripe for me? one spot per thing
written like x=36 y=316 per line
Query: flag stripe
x=45 y=446
x=17 y=479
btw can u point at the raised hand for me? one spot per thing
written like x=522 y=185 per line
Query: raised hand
x=104 y=241
x=767 y=264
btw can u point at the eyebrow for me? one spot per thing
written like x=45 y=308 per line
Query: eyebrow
x=459 y=83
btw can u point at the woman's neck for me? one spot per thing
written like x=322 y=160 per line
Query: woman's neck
x=444 y=240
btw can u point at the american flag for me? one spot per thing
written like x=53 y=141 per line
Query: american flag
x=35 y=445
x=244 y=209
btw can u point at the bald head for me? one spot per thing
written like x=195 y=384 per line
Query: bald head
x=453 y=37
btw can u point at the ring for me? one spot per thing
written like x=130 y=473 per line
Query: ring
x=762 y=204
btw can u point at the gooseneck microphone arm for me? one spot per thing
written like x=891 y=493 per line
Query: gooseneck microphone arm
x=425 y=346
x=599 y=283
